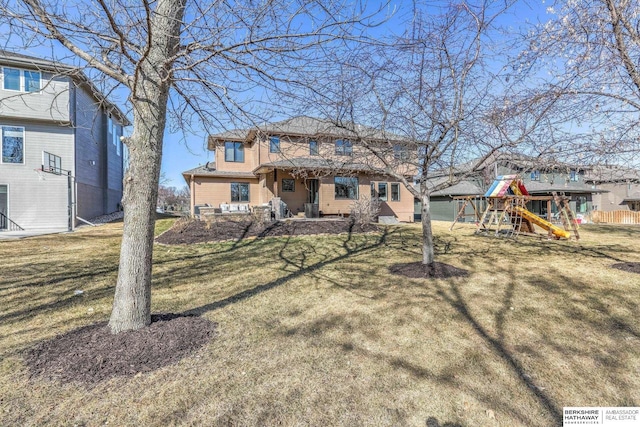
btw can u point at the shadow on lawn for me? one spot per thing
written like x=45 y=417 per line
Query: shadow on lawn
x=300 y=268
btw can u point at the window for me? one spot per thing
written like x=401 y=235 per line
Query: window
x=346 y=187
x=313 y=148
x=11 y=78
x=573 y=176
x=21 y=80
x=382 y=191
x=234 y=152
x=289 y=185
x=239 y=192
x=344 y=147
x=400 y=152
x=274 y=144
x=116 y=138
x=395 y=192
x=12 y=144
x=373 y=191
x=31 y=81
x=51 y=163
x=535 y=176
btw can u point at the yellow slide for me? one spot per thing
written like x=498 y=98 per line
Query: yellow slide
x=557 y=231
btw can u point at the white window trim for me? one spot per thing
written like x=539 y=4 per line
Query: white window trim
x=22 y=80
x=24 y=144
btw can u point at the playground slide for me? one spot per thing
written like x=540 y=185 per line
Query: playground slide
x=557 y=231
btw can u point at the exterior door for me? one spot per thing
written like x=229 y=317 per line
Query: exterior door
x=4 y=206
x=312 y=195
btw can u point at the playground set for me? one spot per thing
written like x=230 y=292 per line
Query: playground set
x=506 y=213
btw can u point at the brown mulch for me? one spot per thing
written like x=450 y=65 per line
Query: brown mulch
x=195 y=231
x=631 y=267
x=92 y=353
x=418 y=270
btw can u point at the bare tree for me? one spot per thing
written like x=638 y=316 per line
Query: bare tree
x=440 y=100
x=591 y=50
x=172 y=198
x=195 y=62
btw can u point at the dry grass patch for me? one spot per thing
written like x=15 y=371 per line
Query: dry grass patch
x=319 y=331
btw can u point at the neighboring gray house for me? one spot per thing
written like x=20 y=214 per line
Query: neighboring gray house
x=622 y=185
x=53 y=118
x=540 y=179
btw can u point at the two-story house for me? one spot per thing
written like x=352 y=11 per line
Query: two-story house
x=304 y=162
x=61 y=154
x=541 y=178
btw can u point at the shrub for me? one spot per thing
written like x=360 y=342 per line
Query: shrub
x=365 y=210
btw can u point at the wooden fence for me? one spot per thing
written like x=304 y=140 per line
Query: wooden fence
x=616 y=217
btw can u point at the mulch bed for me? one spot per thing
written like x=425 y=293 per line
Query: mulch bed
x=631 y=267
x=418 y=270
x=92 y=353
x=195 y=231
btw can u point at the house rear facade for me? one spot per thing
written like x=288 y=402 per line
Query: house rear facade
x=61 y=153
x=311 y=165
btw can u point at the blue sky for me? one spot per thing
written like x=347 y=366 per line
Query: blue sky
x=186 y=151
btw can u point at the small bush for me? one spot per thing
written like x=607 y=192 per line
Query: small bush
x=365 y=210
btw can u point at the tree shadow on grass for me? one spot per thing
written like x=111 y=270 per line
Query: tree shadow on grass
x=300 y=269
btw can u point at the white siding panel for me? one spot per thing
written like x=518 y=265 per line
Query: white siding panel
x=37 y=199
x=51 y=103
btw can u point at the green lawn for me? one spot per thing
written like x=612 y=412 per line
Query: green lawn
x=316 y=331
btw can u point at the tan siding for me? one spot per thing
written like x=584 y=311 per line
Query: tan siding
x=214 y=191
x=295 y=200
x=249 y=164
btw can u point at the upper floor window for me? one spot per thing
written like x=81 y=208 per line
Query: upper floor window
x=234 y=152
x=535 y=176
x=344 y=147
x=382 y=191
x=400 y=152
x=395 y=192
x=573 y=176
x=116 y=138
x=274 y=144
x=313 y=148
x=20 y=80
x=12 y=144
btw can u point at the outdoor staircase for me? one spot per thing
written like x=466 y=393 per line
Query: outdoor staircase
x=6 y=224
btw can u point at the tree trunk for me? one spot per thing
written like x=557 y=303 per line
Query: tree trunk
x=428 y=256
x=150 y=92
